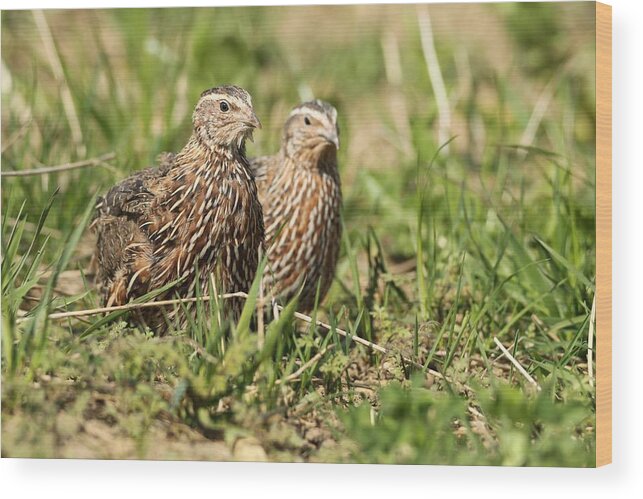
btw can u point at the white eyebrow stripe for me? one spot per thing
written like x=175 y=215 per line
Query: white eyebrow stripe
x=330 y=109
x=228 y=97
x=323 y=117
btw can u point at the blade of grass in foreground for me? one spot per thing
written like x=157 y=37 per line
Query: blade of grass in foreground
x=112 y=316
x=12 y=273
x=243 y=326
x=35 y=334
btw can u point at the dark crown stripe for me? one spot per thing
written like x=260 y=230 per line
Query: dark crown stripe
x=231 y=90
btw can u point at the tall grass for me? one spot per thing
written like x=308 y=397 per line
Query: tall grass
x=442 y=251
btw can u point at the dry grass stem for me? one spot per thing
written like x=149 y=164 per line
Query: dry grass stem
x=241 y=294
x=61 y=168
x=521 y=369
x=7 y=144
x=275 y=309
x=133 y=306
x=260 y=308
x=537 y=115
x=373 y=346
x=341 y=332
x=313 y=360
x=590 y=343
x=57 y=68
x=435 y=75
x=397 y=102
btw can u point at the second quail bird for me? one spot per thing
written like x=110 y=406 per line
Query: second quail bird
x=300 y=192
x=195 y=216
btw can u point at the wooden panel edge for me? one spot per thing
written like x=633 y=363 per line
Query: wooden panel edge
x=603 y=234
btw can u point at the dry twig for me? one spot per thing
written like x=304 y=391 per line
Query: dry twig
x=133 y=306
x=61 y=168
x=241 y=294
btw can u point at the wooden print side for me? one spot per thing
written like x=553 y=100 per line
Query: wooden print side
x=603 y=234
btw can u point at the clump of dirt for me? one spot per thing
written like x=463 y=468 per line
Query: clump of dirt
x=61 y=420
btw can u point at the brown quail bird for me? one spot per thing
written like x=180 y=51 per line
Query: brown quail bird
x=299 y=189
x=194 y=216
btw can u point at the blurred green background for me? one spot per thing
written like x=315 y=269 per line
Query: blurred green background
x=468 y=167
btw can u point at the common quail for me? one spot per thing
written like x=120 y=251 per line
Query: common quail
x=195 y=216
x=299 y=189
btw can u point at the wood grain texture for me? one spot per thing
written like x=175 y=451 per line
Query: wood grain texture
x=603 y=234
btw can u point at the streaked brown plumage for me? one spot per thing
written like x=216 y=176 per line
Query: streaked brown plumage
x=198 y=209
x=299 y=189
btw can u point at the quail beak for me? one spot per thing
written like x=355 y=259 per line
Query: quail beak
x=332 y=138
x=252 y=120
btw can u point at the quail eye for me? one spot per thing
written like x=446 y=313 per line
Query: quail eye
x=307 y=120
x=224 y=106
